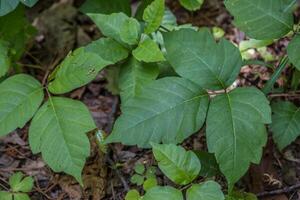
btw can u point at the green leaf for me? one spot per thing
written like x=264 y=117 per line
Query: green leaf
x=209 y=165
x=233 y=120
x=167 y=193
x=134 y=76
x=196 y=56
x=58 y=132
x=18 y=183
x=106 y=7
x=132 y=195
x=148 y=51
x=137 y=179
x=21 y=196
x=285 y=123
x=21 y=96
x=269 y=22
x=7 y=6
x=130 y=31
x=82 y=66
x=5 y=195
x=252 y=43
x=293 y=51
x=139 y=168
x=191 y=5
x=29 y=3
x=140 y=10
x=150 y=116
x=150 y=183
x=4 y=59
x=153 y=15
x=112 y=25
x=179 y=165
x=209 y=190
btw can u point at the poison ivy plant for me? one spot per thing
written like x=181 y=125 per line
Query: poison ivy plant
x=191 y=4
x=181 y=166
x=269 y=22
x=285 y=123
x=148 y=51
x=293 y=51
x=153 y=15
x=19 y=185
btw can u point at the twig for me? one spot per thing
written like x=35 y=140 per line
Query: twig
x=279 y=191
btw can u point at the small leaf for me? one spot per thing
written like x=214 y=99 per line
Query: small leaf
x=148 y=51
x=209 y=165
x=150 y=183
x=7 y=6
x=191 y=5
x=134 y=76
x=130 y=31
x=58 y=132
x=82 y=66
x=285 y=123
x=137 y=179
x=179 y=165
x=6 y=195
x=106 y=7
x=233 y=120
x=153 y=15
x=151 y=172
x=139 y=168
x=167 y=193
x=21 y=96
x=218 y=32
x=269 y=22
x=132 y=195
x=209 y=190
x=14 y=181
x=293 y=51
x=196 y=56
x=21 y=196
x=18 y=183
x=150 y=115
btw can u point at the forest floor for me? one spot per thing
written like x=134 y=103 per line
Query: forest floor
x=62 y=28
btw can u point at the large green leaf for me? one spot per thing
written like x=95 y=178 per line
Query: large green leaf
x=133 y=76
x=209 y=190
x=83 y=65
x=7 y=6
x=114 y=25
x=148 y=51
x=167 y=110
x=191 y=4
x=58 y=132
x=261 y=19
x=293 y=51
x=21 y=96
x=179 y=165
x=106 y=7
x=165 y=193
x=235 y=130
x=153 y=15
x=197 y=57
x=285 y=123
x=4 y=59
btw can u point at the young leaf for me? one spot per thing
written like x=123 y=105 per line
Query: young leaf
x=196 y=56
x=153 y=15
x=112 y=25
x=137 y=179
x=179 y=165
x=132 y=195
x=106 y=7
x=133 y=76
x=148 y=51
x=18 y=184
x=130 y=31
x=21 y=196
x=139 y=168
x=235 y=130
x=285 y=123
x=167 y=193
x=21 y=96
x=58 y=132
x=7 y=6
x=6 y=195
x=4 y=59
x=209 y=190
x=150 y=183
x=293 y=51
x=151 y=115
x=191 y=5
x=269 y=22
x=83 y=65
x=140 y=10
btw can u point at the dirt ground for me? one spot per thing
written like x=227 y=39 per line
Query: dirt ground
x=62 y=28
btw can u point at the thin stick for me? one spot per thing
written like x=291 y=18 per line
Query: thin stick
x=279 y=191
